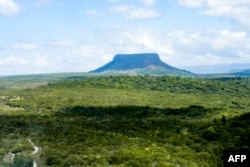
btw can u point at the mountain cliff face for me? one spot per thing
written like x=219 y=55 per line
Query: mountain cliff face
x=123 y=62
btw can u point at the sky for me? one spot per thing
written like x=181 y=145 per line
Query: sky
x=51 y=36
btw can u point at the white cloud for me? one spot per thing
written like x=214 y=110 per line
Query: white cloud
x=9 y=7
x=112 y=1
x=12 y=60
x=26 y=46
x=181 y=48
x=233 y=9
x=213 y=59
x=145 y=40
x=63 y=43
x=29 y=46
x=148 y=3
x=87 y=57
x=211 y=47
x=42 y=62
x=132 y=12
x=26 y=64
x=230 y=39
x=238 y=10
x=191 y=3
x=177 y=48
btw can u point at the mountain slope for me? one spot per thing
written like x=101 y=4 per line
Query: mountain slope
x=147 y=61
x=245 y=73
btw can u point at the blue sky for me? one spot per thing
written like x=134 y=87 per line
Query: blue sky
x=47 y=36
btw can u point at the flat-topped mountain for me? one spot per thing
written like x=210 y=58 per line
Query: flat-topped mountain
x=141 y=61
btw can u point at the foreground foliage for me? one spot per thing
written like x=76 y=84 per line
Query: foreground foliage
x=126 y=121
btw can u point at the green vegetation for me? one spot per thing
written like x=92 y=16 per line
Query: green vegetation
x=35 y=80
x=125 y=121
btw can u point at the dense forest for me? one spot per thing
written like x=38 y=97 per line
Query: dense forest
x=125 y=121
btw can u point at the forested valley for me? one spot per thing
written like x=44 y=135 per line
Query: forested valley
x=137 y=121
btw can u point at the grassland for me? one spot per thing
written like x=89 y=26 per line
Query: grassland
x=125 y=121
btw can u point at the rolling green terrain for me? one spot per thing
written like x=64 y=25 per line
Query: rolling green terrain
x=125 y=121
x=35 y=80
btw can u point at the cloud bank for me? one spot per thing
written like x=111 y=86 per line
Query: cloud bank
x=9 y=7
x=132 y=12
x=90 y=36
x=238 y=10
x=177 y=48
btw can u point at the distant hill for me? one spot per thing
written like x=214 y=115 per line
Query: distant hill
x=245 y=72
x=143 y=63
x=218 y=68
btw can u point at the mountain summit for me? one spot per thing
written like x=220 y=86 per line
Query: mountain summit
x=141 y=63
x=134 y=61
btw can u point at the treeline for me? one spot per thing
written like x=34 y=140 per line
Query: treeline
x=233 y=86
x=137 y=136
x=126 y=121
